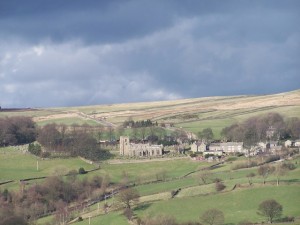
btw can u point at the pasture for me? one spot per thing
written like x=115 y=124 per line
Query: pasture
x=15 y=164
x=147 y=170
x=196 y=197
x=237 y=205
x=193 y=199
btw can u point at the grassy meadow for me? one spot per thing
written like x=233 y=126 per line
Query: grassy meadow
x=193 y=199
x=16 y=165
x=236 y=205
x=147 y=171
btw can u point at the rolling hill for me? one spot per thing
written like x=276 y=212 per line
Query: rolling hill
x=190 y=114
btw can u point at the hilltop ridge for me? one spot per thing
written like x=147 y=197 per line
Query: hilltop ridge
x=191 y=114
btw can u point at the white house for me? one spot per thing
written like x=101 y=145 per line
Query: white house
x=297 y=143
x=288 y=143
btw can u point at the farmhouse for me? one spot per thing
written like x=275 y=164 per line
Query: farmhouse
x=140 y=150
x=198 y=147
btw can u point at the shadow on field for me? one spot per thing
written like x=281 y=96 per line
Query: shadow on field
x=216 y=167
x=291 y=180
x=143 y=207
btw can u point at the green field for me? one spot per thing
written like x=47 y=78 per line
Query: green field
x=193 y=199
x=237 y=205
x=110 y=219
x=147 y=171
x=16 y=165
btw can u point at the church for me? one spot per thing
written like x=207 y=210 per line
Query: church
x=139 y=150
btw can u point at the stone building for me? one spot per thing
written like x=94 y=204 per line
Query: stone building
x=232 y=147
x=227 y=147
x=140 y=150
x=198 y=147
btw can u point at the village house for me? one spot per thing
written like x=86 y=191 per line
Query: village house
x=198 y=146
x=139 y=150
x=227 y=147
x=214 y=147
x=272 y=144
x=289 y=143
x=273 y=147
x=263 y=146
x=232 y=147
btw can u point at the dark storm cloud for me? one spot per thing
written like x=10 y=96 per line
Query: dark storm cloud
x=62 y=53
x=90 y=21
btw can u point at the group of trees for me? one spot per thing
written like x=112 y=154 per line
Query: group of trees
x=53 y=195
x=206 y=134
x=256 y=128
x=140 y=123
x=77 y=142
x=17 y=131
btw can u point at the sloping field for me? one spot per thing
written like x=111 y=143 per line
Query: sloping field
x=237 y=205
x=16 y=165
x=191 y=114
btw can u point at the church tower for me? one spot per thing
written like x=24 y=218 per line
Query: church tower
x=124 y=145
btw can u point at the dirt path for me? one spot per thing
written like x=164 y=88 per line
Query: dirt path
x=97 y=120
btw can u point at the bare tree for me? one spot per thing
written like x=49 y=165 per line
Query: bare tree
x=250 y=176
x=264 y=171
x=270 y=208
x=280 y=171
x=127 y=197
x=213 y=217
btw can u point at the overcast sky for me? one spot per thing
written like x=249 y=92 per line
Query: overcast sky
x=74 y=52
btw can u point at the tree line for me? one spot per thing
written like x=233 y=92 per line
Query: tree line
x=54 y=138
x=257 y=129
x=77 y=142
x=139 y=123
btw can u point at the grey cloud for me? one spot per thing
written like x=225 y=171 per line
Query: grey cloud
x=124 y=51
x=115 y=21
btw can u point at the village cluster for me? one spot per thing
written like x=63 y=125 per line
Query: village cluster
x=204 y=148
